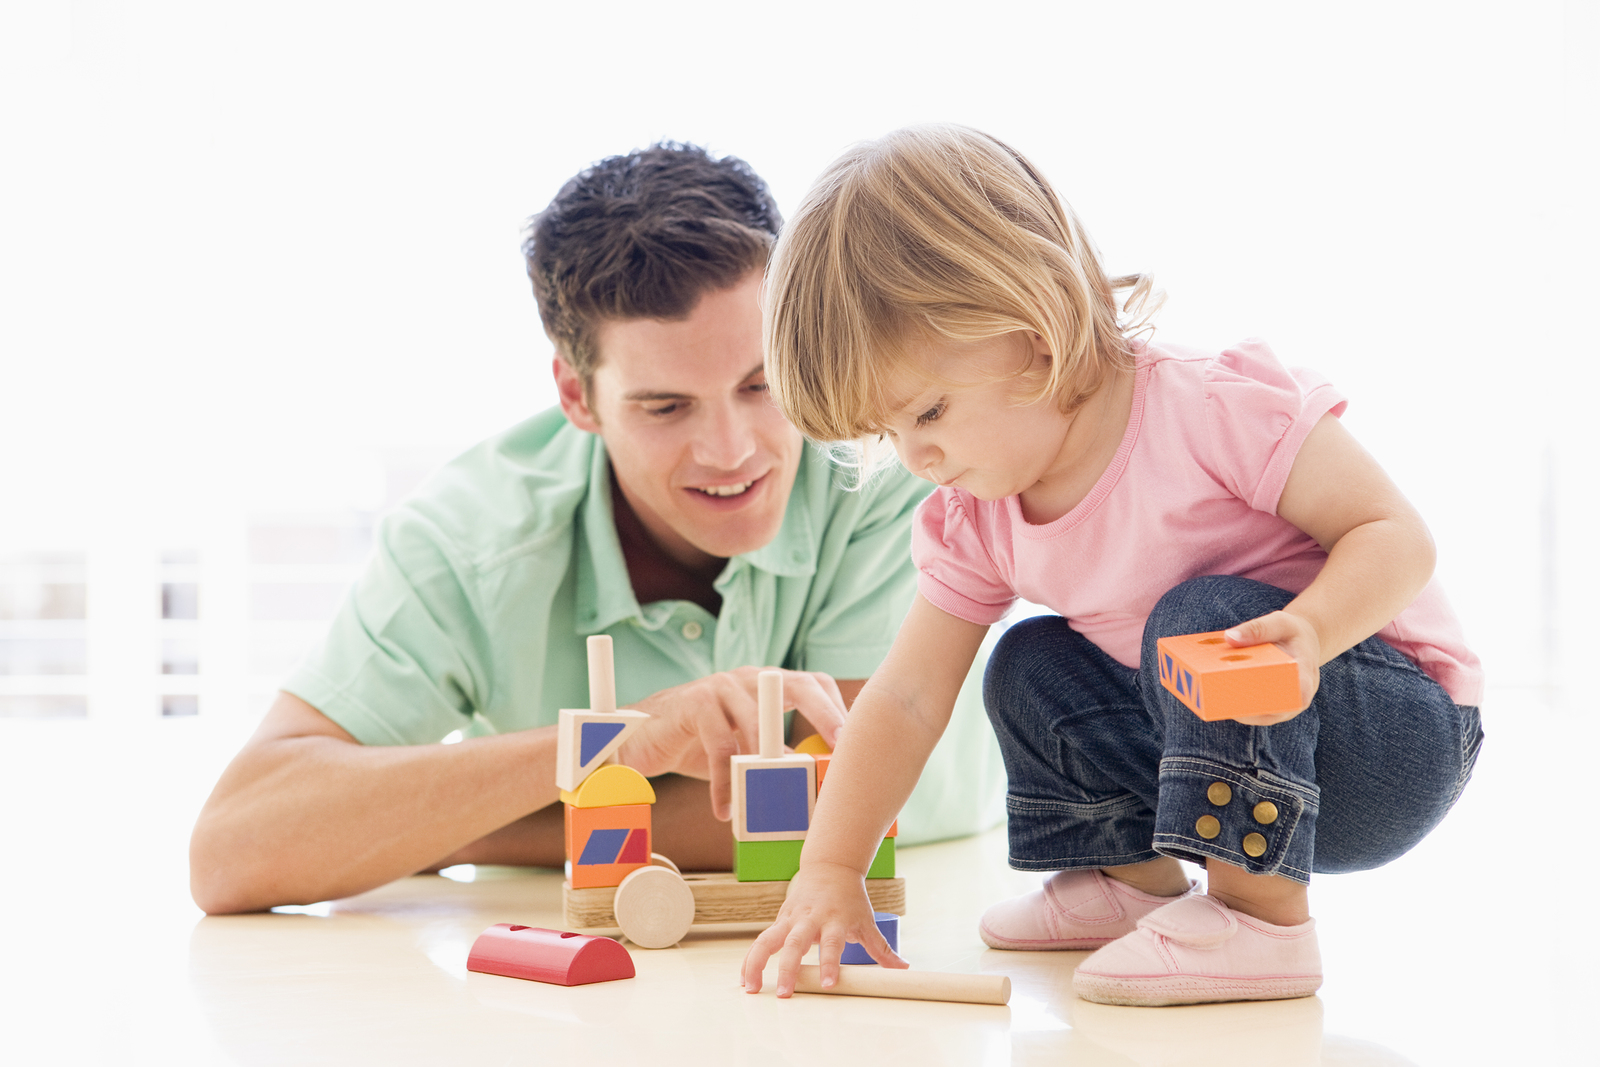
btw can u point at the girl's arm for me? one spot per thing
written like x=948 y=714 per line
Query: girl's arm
x=891 y=729
x=1380 y=555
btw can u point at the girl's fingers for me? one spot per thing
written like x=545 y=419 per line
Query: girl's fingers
x=794 y=946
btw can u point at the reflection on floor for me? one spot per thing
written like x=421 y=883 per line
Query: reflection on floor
x=1441 y=958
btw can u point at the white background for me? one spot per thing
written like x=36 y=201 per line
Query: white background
x=247 y=251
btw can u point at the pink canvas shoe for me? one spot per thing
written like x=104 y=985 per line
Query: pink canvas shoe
x=1078 y=910
x=1196 y=951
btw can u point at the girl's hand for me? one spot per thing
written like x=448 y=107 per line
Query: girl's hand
x=1297 y=638
x=827 y=905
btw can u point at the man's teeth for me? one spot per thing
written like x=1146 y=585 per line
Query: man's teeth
x=725 y=490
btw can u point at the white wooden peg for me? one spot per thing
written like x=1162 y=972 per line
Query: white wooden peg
x=769 y=690
x=602 y=675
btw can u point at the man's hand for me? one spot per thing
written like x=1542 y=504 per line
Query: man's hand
x=1297 y=638
x=694 y=728
x=827 y=905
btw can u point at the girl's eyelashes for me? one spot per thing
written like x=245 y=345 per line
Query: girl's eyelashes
x=931 y=414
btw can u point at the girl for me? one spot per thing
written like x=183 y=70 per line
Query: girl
x=933 y=292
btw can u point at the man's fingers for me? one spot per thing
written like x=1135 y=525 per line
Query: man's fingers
x=823 y=706
x=720 y=745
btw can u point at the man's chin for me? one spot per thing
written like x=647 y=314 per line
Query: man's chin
x=736 y=537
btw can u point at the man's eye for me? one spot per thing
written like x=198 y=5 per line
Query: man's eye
x=931 y=414
x=664 y=409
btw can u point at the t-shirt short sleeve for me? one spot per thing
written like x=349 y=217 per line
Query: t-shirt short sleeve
x=1258 y=414
x=869 y=577
x=405 y=660
x=955 y=572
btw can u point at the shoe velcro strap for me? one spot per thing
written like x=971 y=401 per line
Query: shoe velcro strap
x=1196 y=921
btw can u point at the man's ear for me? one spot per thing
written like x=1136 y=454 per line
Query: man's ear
x=573 y=402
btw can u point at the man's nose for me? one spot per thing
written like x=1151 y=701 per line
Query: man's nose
x=727 y=438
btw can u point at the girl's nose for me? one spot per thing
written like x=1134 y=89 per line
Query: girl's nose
x=920 y=457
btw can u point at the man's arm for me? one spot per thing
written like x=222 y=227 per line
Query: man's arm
x=306 y=813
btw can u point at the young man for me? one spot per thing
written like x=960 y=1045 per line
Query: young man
x=667 y=503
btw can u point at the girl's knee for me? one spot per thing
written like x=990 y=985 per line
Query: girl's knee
x=1211 y=602
x=1021 y=651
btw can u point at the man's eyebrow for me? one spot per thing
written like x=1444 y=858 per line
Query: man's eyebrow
x=651 y=395
x=647 y=395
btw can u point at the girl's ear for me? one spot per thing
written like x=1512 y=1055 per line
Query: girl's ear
x=574 y=401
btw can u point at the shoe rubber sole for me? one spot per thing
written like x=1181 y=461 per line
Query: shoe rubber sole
x=1165 y=990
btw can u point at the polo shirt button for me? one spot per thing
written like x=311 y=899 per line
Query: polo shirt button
x=692 y=630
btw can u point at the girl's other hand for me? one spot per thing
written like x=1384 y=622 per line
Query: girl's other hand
x=827 y=905
x=1297 y=638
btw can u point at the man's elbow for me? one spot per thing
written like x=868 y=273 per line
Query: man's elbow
x=224 y=884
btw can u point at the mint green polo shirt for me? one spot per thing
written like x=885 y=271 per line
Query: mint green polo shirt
x=473 y=612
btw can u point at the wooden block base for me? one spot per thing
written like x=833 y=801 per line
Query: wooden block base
x=718 y=898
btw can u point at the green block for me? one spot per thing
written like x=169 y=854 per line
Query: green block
x=768 y=861
x=883 y=862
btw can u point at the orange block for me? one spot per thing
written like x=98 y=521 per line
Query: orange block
x=1217 y=681
x=605 y=845
x=822 y=772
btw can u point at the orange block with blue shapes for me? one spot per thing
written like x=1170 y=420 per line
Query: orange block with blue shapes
x=1215 y=680
x=605 y=845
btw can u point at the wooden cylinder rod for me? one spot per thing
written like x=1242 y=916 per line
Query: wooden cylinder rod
x=769 y=713
x=602 y=676
x=908 y=985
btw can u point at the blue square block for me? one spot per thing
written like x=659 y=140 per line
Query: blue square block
x=776 y=799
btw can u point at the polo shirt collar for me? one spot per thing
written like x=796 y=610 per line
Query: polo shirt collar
x=604 y=595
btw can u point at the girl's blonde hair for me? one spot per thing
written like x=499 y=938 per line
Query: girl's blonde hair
x=933 y=232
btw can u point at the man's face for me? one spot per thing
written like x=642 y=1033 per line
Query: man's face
x=698 y=449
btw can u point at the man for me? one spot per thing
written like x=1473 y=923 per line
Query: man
x=667 y=503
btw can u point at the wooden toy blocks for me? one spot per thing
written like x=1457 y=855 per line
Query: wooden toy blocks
x=1217 y=681
x=605 y=845
x=773 y=793
x=540 y=955
x=586 y=738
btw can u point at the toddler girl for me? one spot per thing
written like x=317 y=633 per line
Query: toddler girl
x=933 y=292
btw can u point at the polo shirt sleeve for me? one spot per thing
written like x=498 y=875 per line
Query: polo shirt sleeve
x=873 y=579
x=406 y=659
x=1258 y=413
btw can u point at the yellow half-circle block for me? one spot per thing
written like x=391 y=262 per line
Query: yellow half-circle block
x=814 y=746
x=611 y=786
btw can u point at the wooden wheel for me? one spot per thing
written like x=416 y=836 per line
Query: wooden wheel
x=655 y=907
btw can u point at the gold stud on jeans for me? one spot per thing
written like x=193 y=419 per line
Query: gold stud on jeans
x=1254 y=845
x=1219 y=793
x=1266 y=813
x=1207 y=826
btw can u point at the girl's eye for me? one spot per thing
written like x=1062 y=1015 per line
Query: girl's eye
x=931 y=414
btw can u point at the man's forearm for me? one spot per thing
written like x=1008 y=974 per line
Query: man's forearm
x=314 y=816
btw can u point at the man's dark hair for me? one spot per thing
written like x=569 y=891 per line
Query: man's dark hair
x=644 y=236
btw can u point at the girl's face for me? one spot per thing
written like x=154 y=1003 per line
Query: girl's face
x=955 y=416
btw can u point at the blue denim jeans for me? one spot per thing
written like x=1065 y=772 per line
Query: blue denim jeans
x=1106 y=767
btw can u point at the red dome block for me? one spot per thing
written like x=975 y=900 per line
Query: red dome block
x=548 y=955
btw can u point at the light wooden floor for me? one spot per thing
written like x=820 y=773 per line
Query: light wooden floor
x=1446 y=957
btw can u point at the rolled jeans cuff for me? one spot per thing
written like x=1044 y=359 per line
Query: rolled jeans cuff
x=1062 y=835
x=1209 y=810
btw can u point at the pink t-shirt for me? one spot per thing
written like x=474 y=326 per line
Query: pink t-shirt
x=1193 y=490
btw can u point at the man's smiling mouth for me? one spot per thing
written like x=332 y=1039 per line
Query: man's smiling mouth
x=724 y=490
